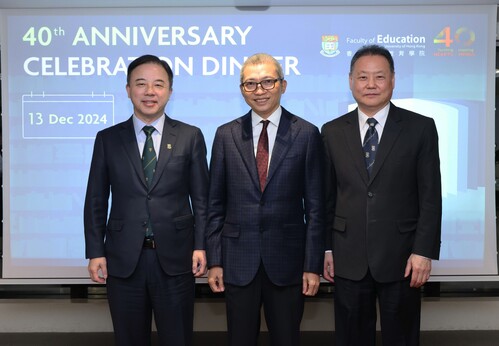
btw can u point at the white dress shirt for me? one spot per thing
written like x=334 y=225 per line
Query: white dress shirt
x=381 y=117
x=256 y=121
x=156 y=135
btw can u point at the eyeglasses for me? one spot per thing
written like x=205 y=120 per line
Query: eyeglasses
x=266 y=84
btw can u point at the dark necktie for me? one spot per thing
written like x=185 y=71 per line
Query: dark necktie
x=370 y=144
x=149 y=165
x=262 y=154
x=149 y=155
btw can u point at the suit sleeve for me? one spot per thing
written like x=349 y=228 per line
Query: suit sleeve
x=314 y=205
x=428 y=232
x=216 y=203
x=329 y=191
x=199 y=188
x=96 y=202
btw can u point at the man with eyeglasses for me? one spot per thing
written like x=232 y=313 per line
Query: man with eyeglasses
x=265 y=223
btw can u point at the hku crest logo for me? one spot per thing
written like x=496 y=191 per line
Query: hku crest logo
x=330 y=46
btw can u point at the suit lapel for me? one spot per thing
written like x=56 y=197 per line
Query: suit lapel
x=243 y=139
x=129 y=141
x=286 y=133
x=391 y=131
x=168 y=139
x=352 y=138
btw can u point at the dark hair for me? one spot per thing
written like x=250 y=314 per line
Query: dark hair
x=373 y=50
x=149 y=59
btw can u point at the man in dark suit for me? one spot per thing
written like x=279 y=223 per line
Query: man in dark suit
x=265 y=216
x=151 y=245
x=383 y=208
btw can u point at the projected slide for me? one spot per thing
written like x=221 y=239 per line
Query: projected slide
x=64 y=76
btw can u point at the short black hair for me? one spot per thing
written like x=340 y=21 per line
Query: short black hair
x=373 y=49
x=149 y=59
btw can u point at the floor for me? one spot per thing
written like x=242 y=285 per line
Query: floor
x=447 y=338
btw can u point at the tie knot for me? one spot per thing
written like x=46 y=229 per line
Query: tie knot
x=265 y=123
x=372 y=122
x=148 y=130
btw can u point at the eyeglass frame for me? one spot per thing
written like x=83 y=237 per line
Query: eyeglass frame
x=243 y=85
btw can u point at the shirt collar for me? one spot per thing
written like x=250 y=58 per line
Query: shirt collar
x=381 y=116
x=274 y=118
x=139 y=124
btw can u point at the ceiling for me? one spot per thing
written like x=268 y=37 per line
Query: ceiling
x=230 y=3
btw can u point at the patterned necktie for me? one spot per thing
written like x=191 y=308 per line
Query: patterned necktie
x=262 y=154
x=149 y=165
x=370 y=144
x=149 y=155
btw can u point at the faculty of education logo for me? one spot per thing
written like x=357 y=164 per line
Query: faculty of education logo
x=330 y=46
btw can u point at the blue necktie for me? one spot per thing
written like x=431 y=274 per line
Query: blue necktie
x=370 y=144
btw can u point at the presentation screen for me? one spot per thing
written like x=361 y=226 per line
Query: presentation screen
x=64 y=77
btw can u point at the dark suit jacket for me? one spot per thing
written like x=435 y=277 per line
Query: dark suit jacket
x=377 y=223
x=181 y=178
x=281 y=227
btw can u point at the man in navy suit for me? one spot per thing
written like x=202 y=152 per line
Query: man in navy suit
x=384 y=212
x=265 y=216
x=150 y=245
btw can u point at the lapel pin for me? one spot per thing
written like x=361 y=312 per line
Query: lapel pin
x=169 y=146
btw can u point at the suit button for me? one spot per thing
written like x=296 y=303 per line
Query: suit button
x=149 y=197
x=262 y=203
x=370 y=194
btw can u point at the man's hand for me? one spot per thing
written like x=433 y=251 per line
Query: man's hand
x=216 y=279
x=311 y=282
x=198 y=263
x=328 y=273
x=97 y=268
x=420 y=267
